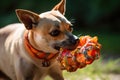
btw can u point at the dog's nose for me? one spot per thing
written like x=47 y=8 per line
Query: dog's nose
x=74 y=41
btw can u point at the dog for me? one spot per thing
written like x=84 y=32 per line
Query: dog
x=29 y=49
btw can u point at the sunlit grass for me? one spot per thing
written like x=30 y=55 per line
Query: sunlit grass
x=98 y=70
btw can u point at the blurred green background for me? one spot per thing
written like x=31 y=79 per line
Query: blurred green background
x=90 y=17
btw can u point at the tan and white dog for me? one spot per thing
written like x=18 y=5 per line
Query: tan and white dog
x=28 y=50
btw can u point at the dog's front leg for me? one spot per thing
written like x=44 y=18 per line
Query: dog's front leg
x=24 y=70
x=39 y=76
x=55 y=72
x=18 y=71
x=56 y=75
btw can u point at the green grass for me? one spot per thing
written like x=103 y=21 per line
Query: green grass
x=98 y=70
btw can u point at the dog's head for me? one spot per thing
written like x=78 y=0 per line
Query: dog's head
x=50 y=30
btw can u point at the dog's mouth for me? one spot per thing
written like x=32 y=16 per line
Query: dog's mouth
x=70 y=47
x=64 y=46
x=57 y=48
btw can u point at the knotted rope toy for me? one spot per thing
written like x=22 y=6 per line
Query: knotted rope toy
x=85 y=53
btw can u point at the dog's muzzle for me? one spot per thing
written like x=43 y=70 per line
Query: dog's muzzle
x=70 y=43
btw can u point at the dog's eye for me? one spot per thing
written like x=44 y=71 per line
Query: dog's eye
x=55 y=33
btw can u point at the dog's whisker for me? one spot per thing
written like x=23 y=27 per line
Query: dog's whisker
x=79 y=35
x=72 y=21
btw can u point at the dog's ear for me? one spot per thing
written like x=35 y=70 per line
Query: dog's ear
x=28 y=18
x=61 y=7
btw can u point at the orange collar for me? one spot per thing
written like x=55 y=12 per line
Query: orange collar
x=37 y=53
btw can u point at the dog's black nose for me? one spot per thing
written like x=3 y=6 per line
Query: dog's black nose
x=74 y=41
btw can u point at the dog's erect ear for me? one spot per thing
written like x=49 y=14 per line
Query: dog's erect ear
x=61 y=7
x=28 y=18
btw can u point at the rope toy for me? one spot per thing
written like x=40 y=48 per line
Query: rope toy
x=86 y=52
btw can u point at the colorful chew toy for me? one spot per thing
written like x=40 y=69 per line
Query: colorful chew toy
x=86 y=52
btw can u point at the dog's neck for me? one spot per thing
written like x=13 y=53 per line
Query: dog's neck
x=35 y=53
x=40 y=43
